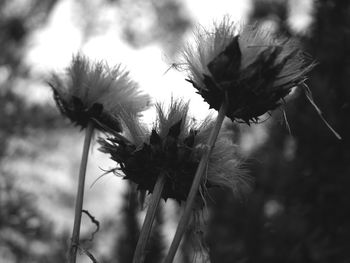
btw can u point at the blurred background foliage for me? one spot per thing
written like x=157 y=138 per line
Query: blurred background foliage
x=298 y=211
x=299 y=208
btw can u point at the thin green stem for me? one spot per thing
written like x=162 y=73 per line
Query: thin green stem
x=181 y=228
x=80 y=195
x=140 y=252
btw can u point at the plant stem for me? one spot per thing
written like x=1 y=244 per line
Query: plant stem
x=80 y=194
x=140 y=252
x=181 y=228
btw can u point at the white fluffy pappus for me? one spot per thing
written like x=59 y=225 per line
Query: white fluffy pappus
x=86 y=84
x=206 y=45
x=250 y=67
x=252 y=40
x=295 y=63
x=226 y=168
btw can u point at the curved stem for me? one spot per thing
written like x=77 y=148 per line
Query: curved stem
x=181 y=228
x=80 y=195
x=140 y=252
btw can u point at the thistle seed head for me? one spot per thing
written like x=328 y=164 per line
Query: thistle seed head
x=173 y=148
x=253 y=70
x=94 y=91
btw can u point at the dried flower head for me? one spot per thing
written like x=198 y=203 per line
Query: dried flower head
x=96 y=92
x=173 y=148
x=249 y=67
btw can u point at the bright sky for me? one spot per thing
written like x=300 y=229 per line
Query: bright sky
x=53 y=46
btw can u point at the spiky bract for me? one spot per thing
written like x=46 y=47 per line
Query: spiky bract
x=249 y=67
x=94 y=91
x=173 y=148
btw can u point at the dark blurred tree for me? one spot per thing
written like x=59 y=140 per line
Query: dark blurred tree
x=298 y=211
x=26 y=235
x=145 y=22
x=275 y=11
x=128 y=230
x=139 y=22
x=18 y=19
x=156 y=244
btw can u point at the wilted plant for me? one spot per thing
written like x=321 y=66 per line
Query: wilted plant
x=93 y=96
x=243 y=72
x=163 y=161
